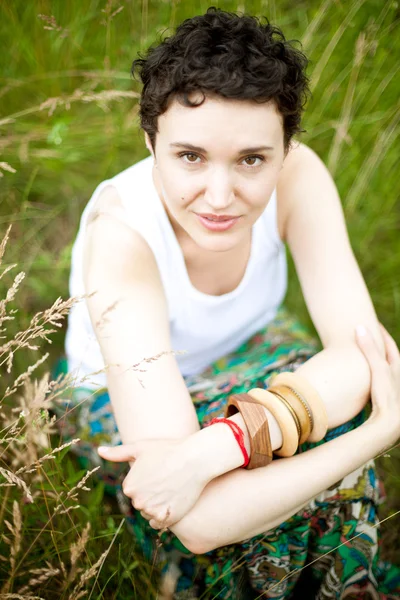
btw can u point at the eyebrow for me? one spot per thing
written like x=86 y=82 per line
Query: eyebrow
x=203 y=151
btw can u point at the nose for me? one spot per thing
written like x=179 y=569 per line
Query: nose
x=219 y=189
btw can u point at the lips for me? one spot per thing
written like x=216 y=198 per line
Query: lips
x=217 y=222
x=217 y=218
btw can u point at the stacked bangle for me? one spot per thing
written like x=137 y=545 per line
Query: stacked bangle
x=285 y=419
x=299 y=406
x=299 y=419
x=256 y=422
x=300 y=386
x=296 y=406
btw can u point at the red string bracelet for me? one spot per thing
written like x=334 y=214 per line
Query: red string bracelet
x=238 y=433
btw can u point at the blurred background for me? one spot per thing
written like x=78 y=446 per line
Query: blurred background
x=69 y=119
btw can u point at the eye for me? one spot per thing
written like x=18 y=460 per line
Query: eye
x=251 y=161
x=189 y=157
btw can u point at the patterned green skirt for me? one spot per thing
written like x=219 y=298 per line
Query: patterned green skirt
x=328 y=550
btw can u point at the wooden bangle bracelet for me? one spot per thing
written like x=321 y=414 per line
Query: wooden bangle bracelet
x=256 y=422
x=300 y=407
x=300 y=385
x=285 y=420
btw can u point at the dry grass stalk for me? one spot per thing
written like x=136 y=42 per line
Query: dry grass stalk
x=100 y=98
x=104 y=315
x=25 y=376
x=11 y=427
x=109 y=13
x=76 y=551
x=19 y=597
x=15 y=544
x=15 y=530
x=7 y=269
x=52 y=25
x=12 y=479
x=107 y=551
x=78 y=591
x=38 y=425
x=26 y=427
x=50 y=456
x=137 y=367
x=11 y=84
x=3 y=243
x=73 y=494
x=37 y=328
x=41 y=575
x=25 y=436
x=6 y=167
x=65 y=511
x=10 y=296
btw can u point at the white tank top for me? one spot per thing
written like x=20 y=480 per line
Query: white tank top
x=206 y=327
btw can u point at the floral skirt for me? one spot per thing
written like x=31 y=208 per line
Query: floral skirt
x=328 y=550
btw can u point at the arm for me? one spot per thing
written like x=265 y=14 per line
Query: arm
x=337 y=298
x=212 y=456
x=333 y=287
x=290 y=479
x=342 y=378
x=280 y=490
x=129 y=316
x=270 y=495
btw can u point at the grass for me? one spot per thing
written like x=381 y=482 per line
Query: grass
x=68 y=120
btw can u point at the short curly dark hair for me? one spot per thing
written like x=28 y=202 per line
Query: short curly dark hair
x=224 y=54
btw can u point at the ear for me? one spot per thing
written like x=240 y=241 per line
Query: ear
x=148 y=144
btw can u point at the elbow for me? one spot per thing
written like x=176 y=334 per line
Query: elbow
x=192 y=537
x=196 y=546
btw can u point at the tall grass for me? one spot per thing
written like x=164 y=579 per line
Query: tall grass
x=46 y=545
x=68 y=119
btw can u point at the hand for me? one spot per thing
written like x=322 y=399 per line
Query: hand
x=385 y=382
x=163 y=482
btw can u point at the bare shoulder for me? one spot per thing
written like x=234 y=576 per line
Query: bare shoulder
x=108 y=206
x=299 y=158
x=113 y=244
x=300 y=162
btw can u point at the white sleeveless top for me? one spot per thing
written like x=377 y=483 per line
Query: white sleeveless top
x=206 y=327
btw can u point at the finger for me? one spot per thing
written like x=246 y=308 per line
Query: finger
x=155 y=524
x=367 y=344
x=392 y=351
x=376 y=362
x=161 y=517
x=121 y=453
x=146 y=515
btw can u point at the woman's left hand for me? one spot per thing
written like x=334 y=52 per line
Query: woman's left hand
x=163 y=482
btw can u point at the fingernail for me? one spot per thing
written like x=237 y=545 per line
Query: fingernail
x=103 y=448
x=361 y=331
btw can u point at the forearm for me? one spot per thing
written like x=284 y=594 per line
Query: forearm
x=269 y=495
x=154 y=404
x=341 y=376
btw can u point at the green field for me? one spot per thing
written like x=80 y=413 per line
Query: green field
x=68 y=120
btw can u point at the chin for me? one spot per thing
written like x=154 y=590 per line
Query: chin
x=217 y=242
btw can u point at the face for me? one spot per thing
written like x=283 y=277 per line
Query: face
x=216 y=166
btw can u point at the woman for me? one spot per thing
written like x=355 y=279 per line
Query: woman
x=184 y=251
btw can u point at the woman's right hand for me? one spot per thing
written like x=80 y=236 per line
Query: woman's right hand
x=385 y=383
